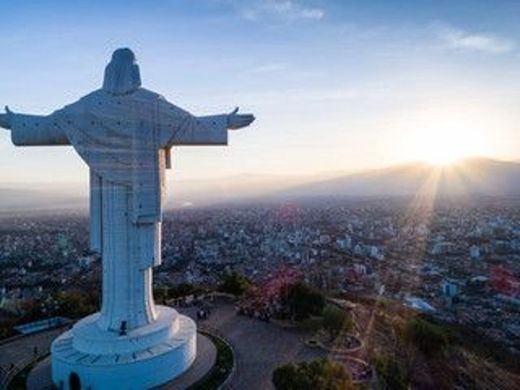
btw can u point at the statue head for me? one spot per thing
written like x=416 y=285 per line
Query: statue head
x=122 y=73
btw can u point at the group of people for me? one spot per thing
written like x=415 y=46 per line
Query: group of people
x=262 y=313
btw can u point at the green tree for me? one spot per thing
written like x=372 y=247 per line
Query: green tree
x=291 y=377
x=391 y=374
x=235 y=284
x=160 y=295
x=305 y=301
x=312 y=324
x=76 y=304
x=335 y=320
x=430 y=339
x=329 y=375
x=321 y=374
x=182 y=290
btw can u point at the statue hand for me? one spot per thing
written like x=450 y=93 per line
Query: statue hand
x=6 y=119
x=237 y=121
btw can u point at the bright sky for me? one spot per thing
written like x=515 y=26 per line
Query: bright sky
x=335 y=85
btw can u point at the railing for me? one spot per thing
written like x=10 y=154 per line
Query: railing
x=24 y=335
x=17 y=368
x=7 y=375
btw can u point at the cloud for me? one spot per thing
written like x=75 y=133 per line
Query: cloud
x=266 y=68
x=279 y=9
x=459 y=39
x=281 y=97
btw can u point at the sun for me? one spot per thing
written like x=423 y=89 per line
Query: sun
x=445 y=143
x=440 y=154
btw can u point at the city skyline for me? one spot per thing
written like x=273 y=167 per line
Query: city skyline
x=355 y=87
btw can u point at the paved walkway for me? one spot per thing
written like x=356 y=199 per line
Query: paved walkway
x=40 y=376
x=205 y=360
x=20 y=351
x=259 y=347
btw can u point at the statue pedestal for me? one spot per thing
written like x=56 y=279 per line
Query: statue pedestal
x=105 y=360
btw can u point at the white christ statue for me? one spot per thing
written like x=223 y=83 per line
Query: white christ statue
x=124 y=133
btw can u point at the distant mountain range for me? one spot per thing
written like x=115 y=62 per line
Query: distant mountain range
x=15 y=198
x=473 y=176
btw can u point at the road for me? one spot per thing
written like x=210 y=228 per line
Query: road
x=20 y=351
x=259 y=347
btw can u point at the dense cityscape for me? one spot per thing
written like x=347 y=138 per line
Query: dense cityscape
x=458 y=262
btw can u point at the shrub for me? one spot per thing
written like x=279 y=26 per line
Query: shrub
x=305 y=301
x=391 y=374
x=335 y=320
x=312 y=324
x=430 y=339
x=321 y=374
x=235 y=284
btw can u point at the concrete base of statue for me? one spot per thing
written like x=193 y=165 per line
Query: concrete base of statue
x=143 y=358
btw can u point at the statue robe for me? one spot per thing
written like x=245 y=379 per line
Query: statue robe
x=125 y=140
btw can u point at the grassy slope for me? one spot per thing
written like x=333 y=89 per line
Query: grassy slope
x=471 y=361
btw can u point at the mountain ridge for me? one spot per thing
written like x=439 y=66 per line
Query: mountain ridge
x=471 y=176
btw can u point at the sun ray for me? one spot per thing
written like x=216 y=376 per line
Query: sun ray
x=418 y=216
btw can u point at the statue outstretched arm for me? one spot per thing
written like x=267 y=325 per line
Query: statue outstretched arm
x=205 y=130
x=237 y=121
x=5 y=119
x=34 y=130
